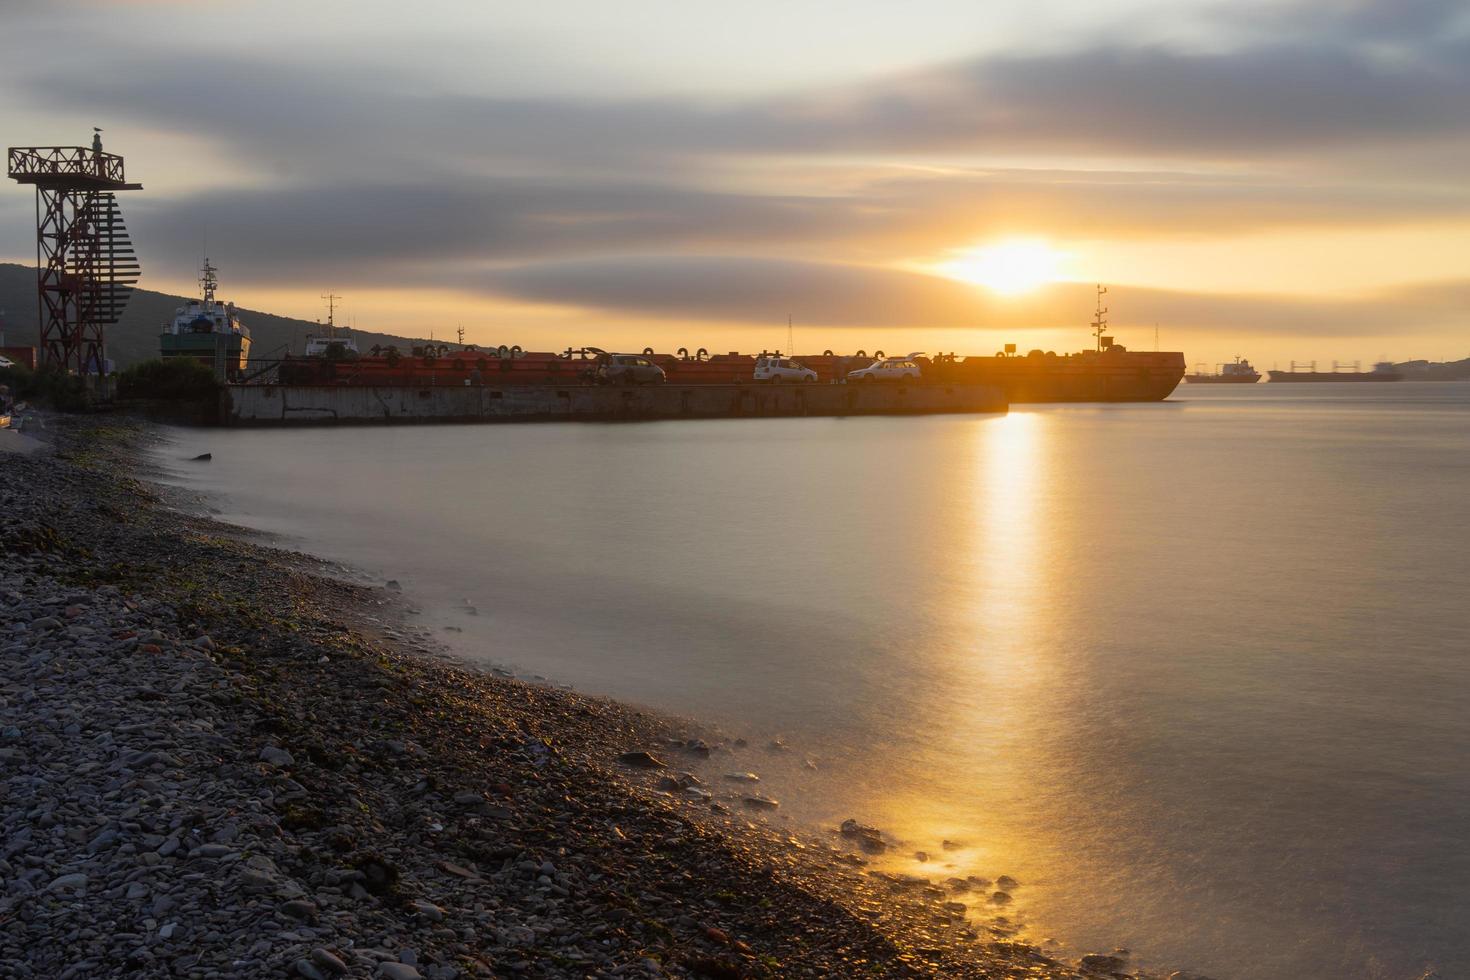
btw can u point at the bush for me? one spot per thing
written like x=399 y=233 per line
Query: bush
x=47 y=386
x=176 y=379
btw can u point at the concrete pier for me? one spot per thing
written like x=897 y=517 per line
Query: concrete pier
x=292 y=405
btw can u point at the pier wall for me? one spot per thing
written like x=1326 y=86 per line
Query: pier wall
x=297 y=405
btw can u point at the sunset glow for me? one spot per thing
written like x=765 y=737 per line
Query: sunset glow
x=879 y=187
x=1009 y=268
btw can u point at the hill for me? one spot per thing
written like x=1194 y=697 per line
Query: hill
x=135 y=337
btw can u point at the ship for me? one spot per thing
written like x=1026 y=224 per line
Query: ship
x=1238 y=373
x=208 y=331
x=331 y=345
x=1107 y=373
x=1382 y=371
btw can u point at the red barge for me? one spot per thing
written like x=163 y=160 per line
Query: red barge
x=1109 y=373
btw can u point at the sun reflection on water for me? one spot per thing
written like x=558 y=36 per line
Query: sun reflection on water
x=991 y=666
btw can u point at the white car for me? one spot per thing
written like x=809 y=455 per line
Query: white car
x=6 y=362
x=769 y=367
x=889 y=369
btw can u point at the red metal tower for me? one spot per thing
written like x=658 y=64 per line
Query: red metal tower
x=85 y=264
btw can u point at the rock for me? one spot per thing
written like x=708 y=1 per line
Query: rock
x=299 y=909
x=758 y=801
x=398 y=971
x=392 y=585
x=921 y=855
x=1103 y=963
x=743 y=777
x=428 y=910
x=201 y=458
x=1007 y=883
x=640 y=760
x=328 y=961
x=1000 y=898
x=276 y=756
x=951 y=845
x=868 y=838
x=716 y=969
x=69 y=881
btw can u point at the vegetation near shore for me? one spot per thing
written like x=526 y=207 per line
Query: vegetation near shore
x=220 y=759
x=175 y=379
x=47 y=386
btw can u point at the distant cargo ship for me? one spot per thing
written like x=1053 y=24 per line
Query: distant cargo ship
x=208 y=331
x=1238 y=373
x=1382 y=371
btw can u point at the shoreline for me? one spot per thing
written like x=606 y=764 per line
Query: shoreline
x=348 y=805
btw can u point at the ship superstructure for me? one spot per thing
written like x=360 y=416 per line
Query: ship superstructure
x=333 y=344
x=208 y=330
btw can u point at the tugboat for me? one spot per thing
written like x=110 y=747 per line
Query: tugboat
x=1239 y=373
x=208 y=331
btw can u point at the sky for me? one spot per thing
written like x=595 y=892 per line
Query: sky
x=1279 y=180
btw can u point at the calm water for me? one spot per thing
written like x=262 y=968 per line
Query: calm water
x=1196 y=672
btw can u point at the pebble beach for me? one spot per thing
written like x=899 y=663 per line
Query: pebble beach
x=219 y=758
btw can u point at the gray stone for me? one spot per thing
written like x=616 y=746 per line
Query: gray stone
x=276 y=756
x=398 y=971
x=304 y=968
x=428 y=910
x=328 y=961
x=299 y=909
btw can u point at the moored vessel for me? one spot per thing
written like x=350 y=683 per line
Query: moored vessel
x=333 y=344
x=1107 y=373
x=1240 y=373
x=208 y=331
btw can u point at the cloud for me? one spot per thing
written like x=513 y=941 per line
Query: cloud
x=1340 y=79
x=350 y=171
x=372 y=232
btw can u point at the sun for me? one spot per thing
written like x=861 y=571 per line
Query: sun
x=1009 y=267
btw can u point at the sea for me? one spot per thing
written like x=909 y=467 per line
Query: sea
x=1196 y=673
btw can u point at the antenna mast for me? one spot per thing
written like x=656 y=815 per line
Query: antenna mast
x=208 y=280
x=331 y=299
x=1099 y=317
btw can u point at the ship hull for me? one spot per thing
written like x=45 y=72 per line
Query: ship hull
x=1112 y=376
x=226 y=352
x=1108 y=376
x=1222 y=379
x=1307 y=377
